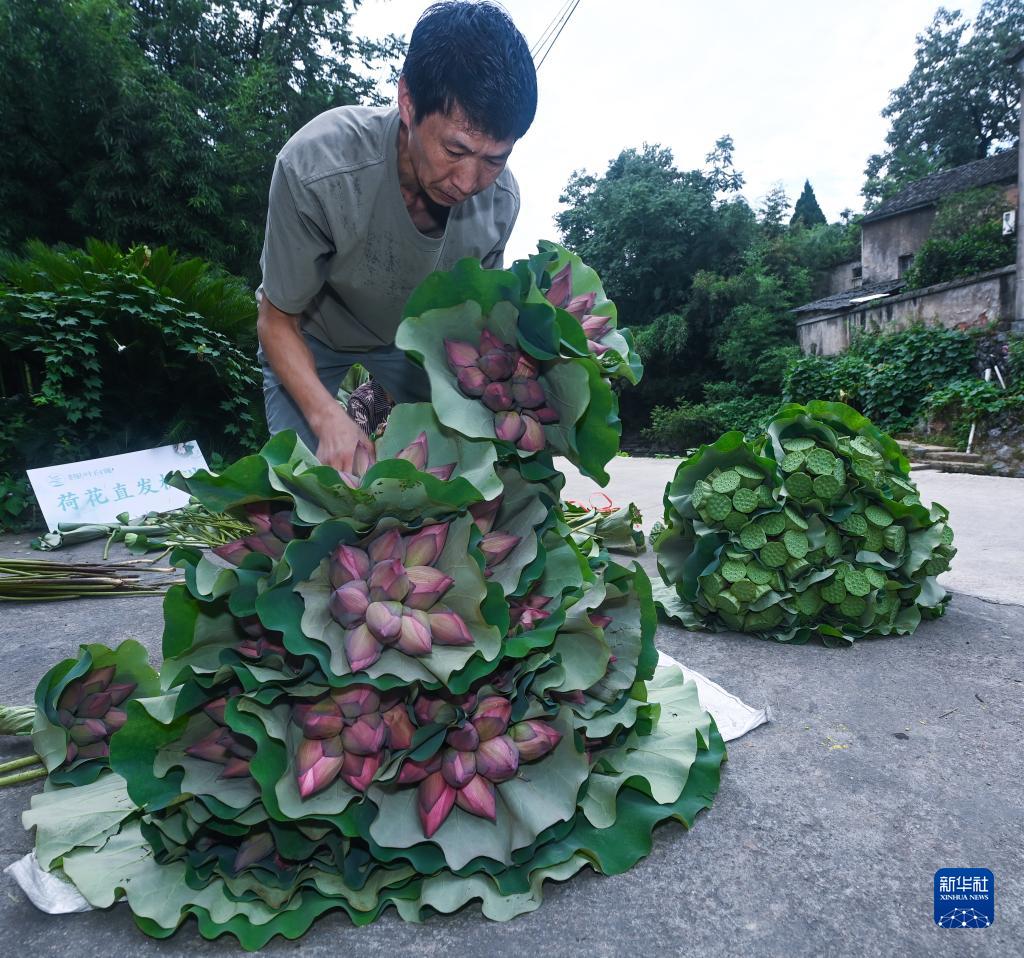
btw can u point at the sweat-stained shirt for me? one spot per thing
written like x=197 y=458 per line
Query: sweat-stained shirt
x=340 y=248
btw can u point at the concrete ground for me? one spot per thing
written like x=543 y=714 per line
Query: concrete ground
x=883 y=763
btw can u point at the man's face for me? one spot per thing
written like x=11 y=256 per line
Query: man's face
x=451 y=160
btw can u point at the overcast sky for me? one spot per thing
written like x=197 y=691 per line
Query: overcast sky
x=799 y=85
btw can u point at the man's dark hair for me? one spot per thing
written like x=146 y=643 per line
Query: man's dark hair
x=471 y=55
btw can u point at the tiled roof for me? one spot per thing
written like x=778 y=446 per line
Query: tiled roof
x=998 y=168
x=840 y=301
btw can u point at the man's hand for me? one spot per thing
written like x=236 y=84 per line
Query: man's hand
x=339 y=438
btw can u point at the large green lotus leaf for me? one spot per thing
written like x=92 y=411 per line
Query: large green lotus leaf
x=673 y=606
x=657 y=764
x=466 y=280
x=81 y=816
x=196 y=635
x=49 y=738
x=544 y=793
x=466 y=596
x=522 y=513
x=151 y=726
x=475 y=461
x=728 y=451
x=596 y=441
x=682 y=559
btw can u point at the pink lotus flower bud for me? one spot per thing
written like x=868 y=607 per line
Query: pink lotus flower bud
x=528 y=393
x=561 y=286
x=449 y=628
x=388 y=581
x=237 y=768
x=428 y=710
x=534 y=738
x=414 y=638
x=400 y=729
x=497 y=759
x=251 y=626
x=365 y=736
x=350 y=479
x=489 y=341
x=464 y=739
x=95 y=705
x=94 y=750
x=531 y=617
x=491 y=716
x=323 y=720
x=384 y=620
x=252 y=849
x=576 y=697
x=364 y=458
x=472 y=382
x=412 y=772
x=416 y=451
x=428 y=585
x=233 y=552
x=267 y=544
x=258 y=515
x=71 y=697
x=348 y=604
x=498 y=364
x=425 y=547
x=532 y=439
x=98 y=680
x=600 y=620
x=483 y=513
x=598 y=349
x=314 y=768
x=595 y=327
x=358 y=770
x=361 y=648
x=579 y=306
x=347 y=564
x=497 y=545
x=477 y=798
x=509 y=426
x=461 y=353
x=435 y=799
x=115 y=718
x=281 y=525
x=357 y=700
x=458 y=767
x=497 y=396
x=65 y=718
x=386 y=547
x=442 y=472
x=88 y=731
x=72 y=753
x=544 y=415
x=210 y=748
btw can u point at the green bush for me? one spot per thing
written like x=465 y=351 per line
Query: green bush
x=1015 y=361
x=964 y=401
x=98 y=359
x=688 y=425
x=978 y=250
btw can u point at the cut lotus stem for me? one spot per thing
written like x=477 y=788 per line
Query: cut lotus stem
x=22 y=777
x=19 y=763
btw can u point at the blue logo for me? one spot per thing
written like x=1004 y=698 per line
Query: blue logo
x=965 y=898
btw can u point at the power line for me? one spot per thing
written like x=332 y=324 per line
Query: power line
x=549 y=29
x=554 y=40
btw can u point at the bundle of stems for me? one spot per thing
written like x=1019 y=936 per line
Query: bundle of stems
x=37 y=580
x=17 y=720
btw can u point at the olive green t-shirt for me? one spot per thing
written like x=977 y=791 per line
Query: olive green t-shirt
x=340 y=248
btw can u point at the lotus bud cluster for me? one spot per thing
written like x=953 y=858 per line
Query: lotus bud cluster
x=345 y=734
x=505 y=380
x=222 y=745
x=388 y=595
x=525 y=613
x=417 y=452
x=274 y=530
x=478 y=754
x=496 y=545
x=89 y=708
x=595 y=328
x=258 y=641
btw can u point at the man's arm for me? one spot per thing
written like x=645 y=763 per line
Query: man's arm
x=291 y=360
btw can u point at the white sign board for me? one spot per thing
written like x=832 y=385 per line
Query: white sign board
x=97 y=490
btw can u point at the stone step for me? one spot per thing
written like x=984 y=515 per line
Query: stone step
x=964 y=468
x=946 y=455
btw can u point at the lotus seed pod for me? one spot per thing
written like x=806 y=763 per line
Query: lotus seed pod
x=728 y=602
x=758 y=574
x=833 y=591
x=744 y=500
x=773 y=524
x=864 y=445
x=833 y=543
x=874 y=541
x=796 y=543
x=795 y=568
x=809 y=601
x=798 y=444
x=865 y=471
x=714 y=581
x=701 y=491
x=875 y=578
x=774 y=555
x=765 y=499
x=816 y=557
x=854 y=524
x=820 y=462
x=825 y=487
x=895 y=538
x=733 y=570
x=94 y=750
x=726 y=482
x=744 y=590
x=719 y=506
x=852 y=607
x=798 y=485
x=752 y=536
x=877 y=516
x=735 y=521
x=750 y=478
x=792 y=461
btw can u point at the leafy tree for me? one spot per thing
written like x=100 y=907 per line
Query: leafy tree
x=723 y=175
x=960 y=102
x=157 y=121
x=773 y=209
x=807 y=212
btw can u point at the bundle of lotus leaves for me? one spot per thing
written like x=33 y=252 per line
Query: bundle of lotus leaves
x=413 y=685
x=813 y=528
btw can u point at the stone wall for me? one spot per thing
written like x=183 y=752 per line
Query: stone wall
x=883 y=242
x=964 y=303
